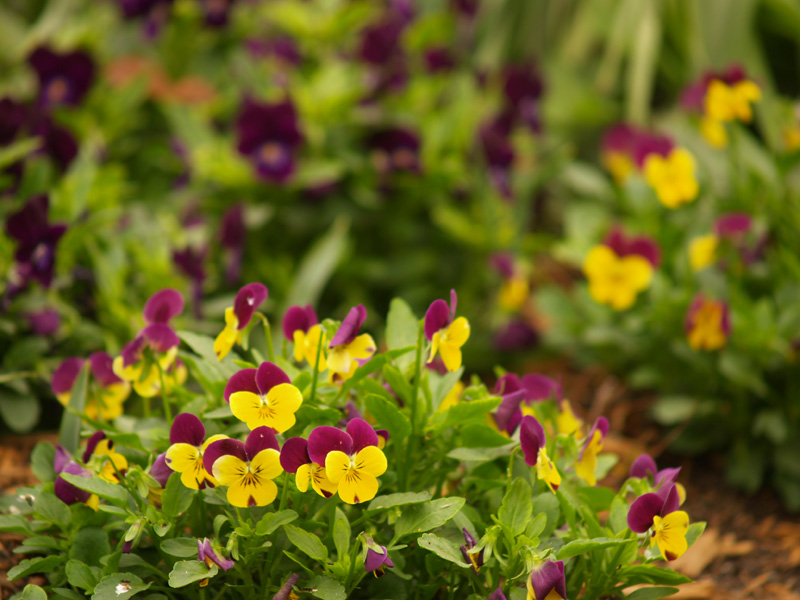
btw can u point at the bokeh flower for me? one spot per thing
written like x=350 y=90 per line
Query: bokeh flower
x=36 y=239
x=672 y=177
x=269 y=135
x=393 y=150
x=587 y=461
x=300 y=325
x=446 y=333
x=616 y=280
x=708 y=324
x=63 y=78
x=106 y=393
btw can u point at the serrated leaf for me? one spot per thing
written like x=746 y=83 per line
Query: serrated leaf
x=515 y=511
x=420 y=518
x=271 y=521
x=443 y=548
x=177 y=498
x=188 y=571
x=307 y=542
x=29 y=566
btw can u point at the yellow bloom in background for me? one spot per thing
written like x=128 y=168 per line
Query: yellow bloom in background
x=672 y=177
x=238 y=317
x=566 y=421
x=587 y=463
x=347 y=347
x=714 y=132
x=619 y=165
x=731 y=102
x=307 y=345
x=707 y=324
x=229 y=336
x=513 y=293
x=615 y=280
x=669 y=532
x=702 y=251
x=453 y=397
x=546 y=470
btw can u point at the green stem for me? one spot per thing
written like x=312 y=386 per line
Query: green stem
x=510 y=469
x=411 y=442
x=315 y=374
x=284 y=492
x=268 y=335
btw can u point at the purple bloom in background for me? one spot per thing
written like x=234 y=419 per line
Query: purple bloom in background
x=624 y=245
x=381 y=49
x=232 y=238
x=63 y=78
x=162 y=306
x=13 y=115
x=548 y=581
x=733 y=225
x=190 y=262
x=523 y=87
x=467 y=8
x=375 y=562
x=517 y=334
x=439 y=59
x=216 y=12
x=693 y=97
x=44 y=322
x=286 y=590
x=298 y=318
x=348 y=330
x=395 y=149
x=499 y=155
x=36 y=240
x=57 y=142
x=269 y=137
x=645 y=466
x=283 y=48
x=154 y=12
x=206 y=554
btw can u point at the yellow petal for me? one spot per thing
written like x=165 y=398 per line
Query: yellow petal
x=339 y=360
x=357 y=486
x=303 y=477
x=181 y=457
x=229 y=469
x=371 y=460
x=434 y=345
x=458 y=332
x=320 y=482
x=451 y=355
x=702 y=251
x=299 y=344
x=362 y=347
x=714 y=132
x=599 y=261
x=247 y=407
x=337 y=463
x=670 y=534
x=284 y=399
x=244 y=494
x=638 y=272
x=266 y=464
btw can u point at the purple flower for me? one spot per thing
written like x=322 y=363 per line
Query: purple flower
x=380 y=42
x=497 y=595
x=282 y=48
x=44 y=322
x=375 y=561
x=269 y=137
x=439 y=59
x=207 y=554
x=63 y=78
x=531 y=388
x=216 y=12
x=295 y=459
x=286 y=590
x=348 y=330
x=190 y=261
x=660 y=503
x=643 y=245
x=36 y=240
x=159 y=337
x=733 y=225
x=645 y=466
x=548 y=581
x=232 y=237
x=395 y=150
x=162 y=306
x=298 y=318
x=474 y=559
x=693 y=97
x=257 y=381
x=326 y=439
x=160 y=471
x=439 y=315
x=64 y=377
x=517 y=334
x=238 y=317
x=634 y=144
x=12 y=118
x=499 y=155
x=523 y=87
x=68 y=493
x=57 y=142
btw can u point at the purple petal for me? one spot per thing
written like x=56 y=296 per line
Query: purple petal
x=61 y=458
x=670 y=498
x=65 y=375
x=667 y=476
x=247 y=302
x=96 y=438
x=437 y=317
x=507 y=384
x=286 y=590
x=375 y=561
x=68 y=493
x=187 y=429
x=206 y=550
x=327 y=439
x=29 y=224
x=733 y=224
x=453 y=304
x=261 y=438
x=642 y=511
x=503 y=263
x=470 y=540
x=349 y=328
x=539 y=387
x=350 y=412
x=294 y=454
x=132 y=351
x=532 y=438
x=241 y=381
x=44 y=322
x=102 y=369
x=268 y=376
x=497 y=594
x=161 y=337
x=160 y=471
x=642 y=466
x=220 y=448
x=508 y=408
x=162 y=306
x=362 y=434
x=548 y=577
x=297 y=317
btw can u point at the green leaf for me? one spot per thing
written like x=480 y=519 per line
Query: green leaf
x=341 y=533
x=20 y=413
x=597 y=498
x=515 y=511
x=33 y=592
x=641 y=574
x=401 y=330
x=582 y=546
x=478 y=435
x=89 y=545
x=462 y=413
x=326 y=588
x=618 y=515
x=80 y=575
x=177 y=498
x=29 y=566
x=443 y=548
x=271 y=521
x=653 y=593
x=695 y=531
x=307 y=542
x=671 y=410
x=52 y=509
x=419 y=518
x=182 y=547
x=536 y=526
x=400 y=499
x=480 y=454
x=188 y=571
x=70 y=432
x=397 y=382
x=42 y=459
x=15 y=524
x=204 y=346
x=116 y=494
x=388 y=416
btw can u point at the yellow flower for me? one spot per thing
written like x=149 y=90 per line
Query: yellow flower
x=707 y=324
x=702 y=251
x=669 y=533
x=546 y=470
x=315 y=475
x=307 y=344
x=513 y=293
x=342 y=359
x=229 y=336
x=731 y=102
x=356 y=476
x=566 y=421
x=672 y=177
x=619 y=165
x=249 y=482
x=448 y=343
x=615 y=280
x=587 y=463
x=453 y=397
x=714 y=132
x=111 y=463
x=187 y=460
x=274 y=409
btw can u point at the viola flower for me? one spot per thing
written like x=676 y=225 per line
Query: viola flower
x=377 y=560
x=352 y=460
x=295 y=459
x=163 y=306
x=497 y=595
x=216 y=12
x=515 y=289
x=518 y=396
x=702 y=251
x=517 y=334
x=640 y=245
x=523 y=88
x=347 y=349
x=44 y=322
x=63 y=78
x=658 y=512
x=446 y=333
x=726 y=103
x=439 y=59
x=112 y=392
x=36 y=240
x=453 y=397
x=233 y=235
x=587 y=462
x=547 y=581
x=130 y=365
x=673 y=177
x=644 y=467
x=63 y=379
x=207 y=554
x=187 y=437
x=708 y=324
x=57 y=142
x=238 y=316
x=246 y=468
x=300 y=325
x=159 y=472
x=100 y=456
x=733 y=225
x=616 y=280
x=625 y=150
x=269 y=137
x=566 y=421
x=533 y=440
x=381 y=49
x=394 y=150
x=474 y=559
x=66 y=492
x=499 y=155
x=263 y=397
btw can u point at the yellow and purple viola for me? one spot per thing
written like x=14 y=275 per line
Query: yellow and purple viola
x=263 y=397
x=446 y=333
x=246 y=468
x=548 y=581
x=518 y=395
x=269 y=136
x=657 y=512
x=187 y=437
x=106 y=392
x=64 y=79
x=238 y=317
x=534 y=447
x=348 y=349
x=353 y=461
x=672 y=177
x=206 y=553
x=708 y=323
x=625 y=149
x=99 y=456
x=65 y=491
x=301 y=326
x=620 y=268
x=644 y=467
x=732 y=229
x=515 y=289
x=474 y=559
x=295 y=459
x=587 y=461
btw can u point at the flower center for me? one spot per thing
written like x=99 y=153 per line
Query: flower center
x=272 y=154
x=57 y=90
